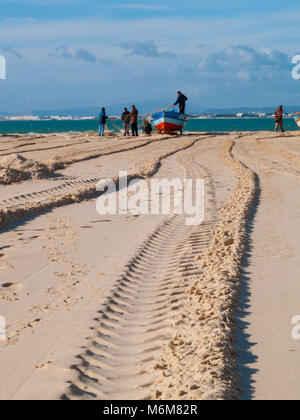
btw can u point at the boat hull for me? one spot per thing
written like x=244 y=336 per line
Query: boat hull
x=297 y=118
x=169 y=122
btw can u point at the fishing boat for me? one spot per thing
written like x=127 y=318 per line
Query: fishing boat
x=169 y=121
x=297 y=118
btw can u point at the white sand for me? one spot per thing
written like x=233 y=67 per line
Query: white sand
x=167 y=301
x=273 y=275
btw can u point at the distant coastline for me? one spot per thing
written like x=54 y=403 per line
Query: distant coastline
x=31 y=118
x=211 y=124
x=114 y=114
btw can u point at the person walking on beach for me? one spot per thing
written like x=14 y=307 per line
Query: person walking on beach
x=134 y=115
x=126 y=121
x=102 y=122
x=181 y=100
x=279 y=119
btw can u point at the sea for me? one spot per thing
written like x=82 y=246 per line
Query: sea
x=194 y=125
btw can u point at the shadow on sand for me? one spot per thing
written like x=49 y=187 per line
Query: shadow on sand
x=244 y=345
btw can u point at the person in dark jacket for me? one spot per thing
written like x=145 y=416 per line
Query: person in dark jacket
x=279 y=119
x=126 y=121
x=181 y=100
x=147 y=127
x=102 y=122
x=134 y=115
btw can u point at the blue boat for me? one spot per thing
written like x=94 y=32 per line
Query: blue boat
x=169 y=121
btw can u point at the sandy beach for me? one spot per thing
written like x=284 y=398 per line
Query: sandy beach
x=127 y=306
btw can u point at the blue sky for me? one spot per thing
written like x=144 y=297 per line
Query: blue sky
x=75 y=53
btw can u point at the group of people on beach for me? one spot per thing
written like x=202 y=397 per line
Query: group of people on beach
x=130 y=119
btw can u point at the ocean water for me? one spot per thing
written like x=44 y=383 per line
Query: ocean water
x=210 y=125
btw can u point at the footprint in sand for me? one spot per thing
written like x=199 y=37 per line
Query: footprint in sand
x=34 y=323
x=14 y=286
x=43 y=365
x=102 y=221
x=132 y=217
x=4 y=247
x=72 y=300
x=29 y=239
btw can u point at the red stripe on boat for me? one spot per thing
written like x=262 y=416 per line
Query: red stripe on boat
x=168 y=127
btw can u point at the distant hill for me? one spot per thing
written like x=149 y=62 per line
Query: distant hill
x=144 y=107
x=247 y=110
x=150 y=106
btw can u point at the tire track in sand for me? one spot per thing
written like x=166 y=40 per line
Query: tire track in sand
x=139 y=315
x=200 y=362
x=68 y=185
x=30 y=208
x=49 y=192
x=290 y=157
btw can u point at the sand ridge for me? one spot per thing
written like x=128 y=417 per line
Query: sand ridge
x=200 y=361
x=15 y=167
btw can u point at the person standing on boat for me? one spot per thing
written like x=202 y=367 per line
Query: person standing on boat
x=134 y=115
x=279 y=119
x=102 y=122
x=181 y=100
x=126 y=121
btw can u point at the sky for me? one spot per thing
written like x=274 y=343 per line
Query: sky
x=63 y=54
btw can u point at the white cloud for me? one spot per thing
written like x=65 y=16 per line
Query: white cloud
x=245 y=61
x=72 y=53
x=243 y=75
x=145 y=49
x=11 y=50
